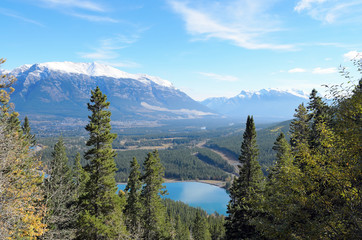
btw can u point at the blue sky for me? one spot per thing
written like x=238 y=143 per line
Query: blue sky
x=206 y=48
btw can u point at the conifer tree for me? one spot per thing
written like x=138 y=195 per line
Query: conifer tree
x=299 y=127
x=60 y=196
x=299 y=131
x=26 y=131
x=133 y=209
x=200 y=228
x=318 y=115
x=282 y=196
x=154 y=214
x=246 y=189
x=101 y=210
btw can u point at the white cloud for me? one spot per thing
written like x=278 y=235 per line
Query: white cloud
x=108 y=51
x=332 y=10
x=86 y=5
x=94 y=18
x=297 y=70
x=319 y=70
x=306 y=4
x=225 y=78
x=243 y=22
x=9 y=13
x=88 y=10
x=353 y=55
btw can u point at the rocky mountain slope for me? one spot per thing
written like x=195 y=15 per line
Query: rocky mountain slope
x=61 y=90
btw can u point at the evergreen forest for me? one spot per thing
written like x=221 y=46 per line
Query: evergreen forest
x=299 y=179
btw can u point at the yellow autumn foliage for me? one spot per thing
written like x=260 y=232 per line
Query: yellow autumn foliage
x=21 y=209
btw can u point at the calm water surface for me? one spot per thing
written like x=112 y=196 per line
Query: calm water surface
x=208 y=197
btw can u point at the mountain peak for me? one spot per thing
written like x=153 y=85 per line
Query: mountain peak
x=93 y=69
x=272 y=91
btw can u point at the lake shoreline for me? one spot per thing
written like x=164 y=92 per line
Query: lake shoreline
x=217 y=183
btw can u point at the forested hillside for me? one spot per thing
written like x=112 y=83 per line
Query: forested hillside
x=230 y=145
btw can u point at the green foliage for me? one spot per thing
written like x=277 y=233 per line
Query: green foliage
x=213 y=159
x=101 y=210
x=318 y=114
x=133 y=209
x=181 y=231
x=154 y=213
x=246 y=189
x=26 y=131
x=180 y=163
x=200 y=229
x=314 y=193
x=187 y=215
x=230 y=144
x=21 y=197
x=80 y=176
x=60 y=193
x=283 y=196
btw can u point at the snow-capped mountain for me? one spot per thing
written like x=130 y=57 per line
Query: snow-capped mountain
x=265 y=104
x=56 y=90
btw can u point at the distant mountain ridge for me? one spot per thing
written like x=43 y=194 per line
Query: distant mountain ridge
x=53 y=90
x=265 y=104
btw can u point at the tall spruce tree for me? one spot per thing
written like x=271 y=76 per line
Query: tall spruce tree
x=101 y=210
x=246 y=189
x=154 y=213
x=60 y=196
x=133 y=209
x=318 y=114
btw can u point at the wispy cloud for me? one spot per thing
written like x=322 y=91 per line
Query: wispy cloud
x=107 y=51
x=242 y=22
x=320 y=70
x=330 y=11
x=297 y=70
x=353 y=55
x=306 y=4
x=10 y=13
x=94 y=18
x=224 y=78
x=316 y=70
x=86 y=5
x=87 y=10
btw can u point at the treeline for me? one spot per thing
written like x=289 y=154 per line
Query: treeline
x=181 y=163
x=314 y=189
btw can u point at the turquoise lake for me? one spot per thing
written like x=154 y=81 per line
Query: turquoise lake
x=208 y=197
